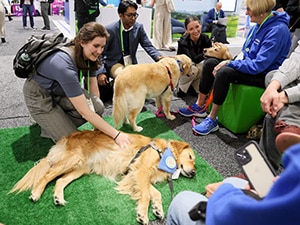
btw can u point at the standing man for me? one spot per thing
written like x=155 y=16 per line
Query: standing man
x=45 y=11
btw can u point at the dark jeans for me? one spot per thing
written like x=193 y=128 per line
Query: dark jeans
x=27 y=9
x=224 y=77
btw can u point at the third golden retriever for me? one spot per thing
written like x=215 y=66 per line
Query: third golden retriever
x=218 y=51
x=135 y=83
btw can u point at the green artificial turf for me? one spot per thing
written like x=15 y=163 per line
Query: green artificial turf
x=91 y=198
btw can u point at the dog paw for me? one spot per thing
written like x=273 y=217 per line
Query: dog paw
x=58 y=201
x=34 y=197
x=142 y=219
x=138 y=129
x=171 y=117
x=158 y=212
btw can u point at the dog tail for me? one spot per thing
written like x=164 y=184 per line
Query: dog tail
x=32 y=176
x=120 y=108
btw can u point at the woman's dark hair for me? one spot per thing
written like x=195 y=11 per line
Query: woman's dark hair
x=191 y=19
x=125 y=4
x=87 y=33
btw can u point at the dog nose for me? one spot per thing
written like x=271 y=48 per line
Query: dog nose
x=204 y=50
x=193 y=173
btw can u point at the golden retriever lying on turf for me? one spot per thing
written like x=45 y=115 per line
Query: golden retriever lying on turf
x=135 y=83
x=94 y=152
x=218 y=51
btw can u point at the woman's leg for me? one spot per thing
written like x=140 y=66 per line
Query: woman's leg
x=47 y=113
x=178 y=212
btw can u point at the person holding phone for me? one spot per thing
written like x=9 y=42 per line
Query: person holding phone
x=230 y=205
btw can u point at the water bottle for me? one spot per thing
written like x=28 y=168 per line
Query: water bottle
x=24 y=60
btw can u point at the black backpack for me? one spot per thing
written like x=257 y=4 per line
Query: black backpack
x=37 y=48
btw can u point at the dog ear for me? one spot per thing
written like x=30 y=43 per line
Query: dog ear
x=177 y=147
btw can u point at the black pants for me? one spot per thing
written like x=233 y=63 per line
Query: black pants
x=224 y=77
x=83 y=18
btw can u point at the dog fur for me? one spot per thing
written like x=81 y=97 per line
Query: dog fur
x=135 y=83
x=94 y=152
x=218 y=51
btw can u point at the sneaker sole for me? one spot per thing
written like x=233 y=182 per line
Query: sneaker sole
x=201 y=115
x=212 y=130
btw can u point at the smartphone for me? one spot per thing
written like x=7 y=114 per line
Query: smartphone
x=256 y=167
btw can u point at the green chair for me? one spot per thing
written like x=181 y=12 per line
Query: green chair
x=241 y=108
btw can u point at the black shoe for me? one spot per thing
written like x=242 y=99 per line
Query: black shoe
x=10 y=18
x=45 y=28
x=179 y=93
x=3 y=40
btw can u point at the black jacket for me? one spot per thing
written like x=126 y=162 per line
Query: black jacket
x=195 y=52
x=292 y=7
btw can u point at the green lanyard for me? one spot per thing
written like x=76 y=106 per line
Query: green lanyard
x=217 y=13
x=256 y=30
x=121 y=35
x=88 y=79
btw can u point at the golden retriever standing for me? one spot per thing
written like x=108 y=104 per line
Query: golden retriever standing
x=94 y=152
x=135 y=83
x=218 y=50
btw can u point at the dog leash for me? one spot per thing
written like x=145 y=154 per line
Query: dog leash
x=207 y=103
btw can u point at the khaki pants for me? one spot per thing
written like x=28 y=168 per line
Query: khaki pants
x=191 y=79
x=2 y=21
x=55 y=114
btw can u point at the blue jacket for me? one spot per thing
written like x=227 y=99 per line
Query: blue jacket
x=266 y=47
x=229 y=205
x=113 y=48
x=211 y=15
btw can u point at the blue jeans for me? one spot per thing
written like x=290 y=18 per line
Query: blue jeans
x=28 y=9
x=178 y=213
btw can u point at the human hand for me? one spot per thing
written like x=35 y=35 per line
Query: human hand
x=280 y=10
x=123 y=139
x=219 y=66
x=272 y=101
x=102 y=80
x=215 y=21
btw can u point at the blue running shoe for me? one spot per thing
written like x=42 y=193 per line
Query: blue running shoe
x=206 y=126
x=193 y=110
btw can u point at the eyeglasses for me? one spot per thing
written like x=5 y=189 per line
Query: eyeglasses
x=131 y=15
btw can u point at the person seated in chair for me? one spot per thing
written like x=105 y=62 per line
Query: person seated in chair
x=266 y=47
x=281 y=102
x=125 y=36
x=216 y=22
x=192 y=44
x=213 y=16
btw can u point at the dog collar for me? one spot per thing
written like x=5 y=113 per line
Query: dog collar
x=167 y=162
x=179 y=62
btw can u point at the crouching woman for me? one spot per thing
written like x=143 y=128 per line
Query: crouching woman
x=55 y=96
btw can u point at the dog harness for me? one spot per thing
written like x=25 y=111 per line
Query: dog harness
x=167 y=162
x=141 y=150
